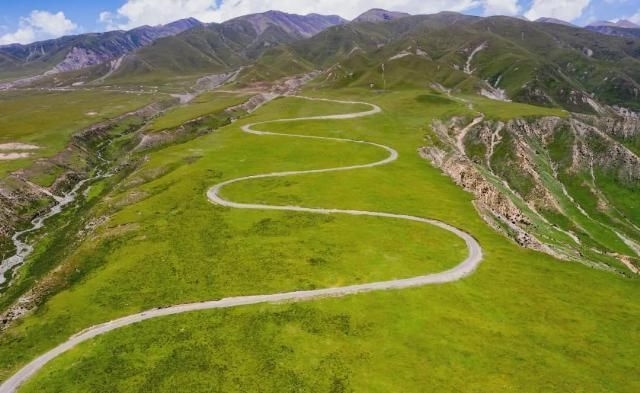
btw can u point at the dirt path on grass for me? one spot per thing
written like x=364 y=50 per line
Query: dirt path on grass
x=460 y=271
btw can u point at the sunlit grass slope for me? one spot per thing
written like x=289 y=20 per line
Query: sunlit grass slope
x=47 y=119
x=204 y=104
x=523 y=322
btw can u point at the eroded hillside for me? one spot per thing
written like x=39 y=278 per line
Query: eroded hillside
x=566 y=186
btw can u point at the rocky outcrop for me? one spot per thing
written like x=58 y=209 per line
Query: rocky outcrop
x=78 y=58
x=529 y=178
x=85 y=50
x=492 y=204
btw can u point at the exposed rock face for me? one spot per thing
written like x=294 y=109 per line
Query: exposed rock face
x=211 y=82
x=79 y=58
x=622 y=28
x=16 y=195
x=85 y=50
x=492 y=204
x=545 y=182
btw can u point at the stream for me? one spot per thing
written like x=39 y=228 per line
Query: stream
x=23 y=248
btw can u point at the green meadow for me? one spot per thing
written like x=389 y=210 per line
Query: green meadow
x=47 y=119
x=202 y=105
x=524 y=322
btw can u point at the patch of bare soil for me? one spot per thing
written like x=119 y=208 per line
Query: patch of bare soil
x=17 y=146
x=13 y=156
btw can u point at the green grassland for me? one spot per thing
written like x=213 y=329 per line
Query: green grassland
x=504 y=111
x=524 y=322
x=48 y=119
x=204 y=104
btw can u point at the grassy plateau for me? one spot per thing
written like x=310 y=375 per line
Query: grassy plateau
x=524 y=322
x=47 y=119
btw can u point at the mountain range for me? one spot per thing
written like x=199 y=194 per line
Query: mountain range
x=211 y=47
x=356 y=157
x=242 y=37
x=508 y=58
x=622 y=23
x=81 y=51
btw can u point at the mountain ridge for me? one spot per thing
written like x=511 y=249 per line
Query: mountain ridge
x=76 y=52
x=555 y=21
x=376 y=15
x=622 y=23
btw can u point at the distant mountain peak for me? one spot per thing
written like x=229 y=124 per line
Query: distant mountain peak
x=303 y=26
x=622 y=23
x=627 y=24
x=555 y=21
x=71 y=53
x=377 y=15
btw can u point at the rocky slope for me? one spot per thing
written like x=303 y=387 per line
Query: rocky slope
x=81 y=51
x=565 y=186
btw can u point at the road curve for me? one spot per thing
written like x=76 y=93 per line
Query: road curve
x=460 y=271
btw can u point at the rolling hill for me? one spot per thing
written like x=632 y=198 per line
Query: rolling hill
x=218 y=48
x=414 y=203
x=539 y=63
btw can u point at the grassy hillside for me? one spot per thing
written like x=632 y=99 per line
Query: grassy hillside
x=537 y=63
x=215 y=48
x=48 y=119
x=164 y=243
x=19 y=61
x=274 y=64
x=561 y=177
x=202 y=105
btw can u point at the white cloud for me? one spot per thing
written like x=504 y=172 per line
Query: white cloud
x=135 y=13
x=561 y=9
x=39 y=25
x=501 y=7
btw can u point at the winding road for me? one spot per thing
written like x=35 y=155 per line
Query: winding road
x=460 y=271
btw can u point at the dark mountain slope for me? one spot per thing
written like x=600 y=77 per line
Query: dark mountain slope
x=220 y=47
x=81 y=51
x=540 y=63
x=295 y=25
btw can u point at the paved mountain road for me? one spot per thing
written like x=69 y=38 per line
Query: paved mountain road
x=460 y=271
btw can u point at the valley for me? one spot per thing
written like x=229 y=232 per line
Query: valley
x=303 y=203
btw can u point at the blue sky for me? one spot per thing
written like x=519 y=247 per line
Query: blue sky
x=29 y=20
